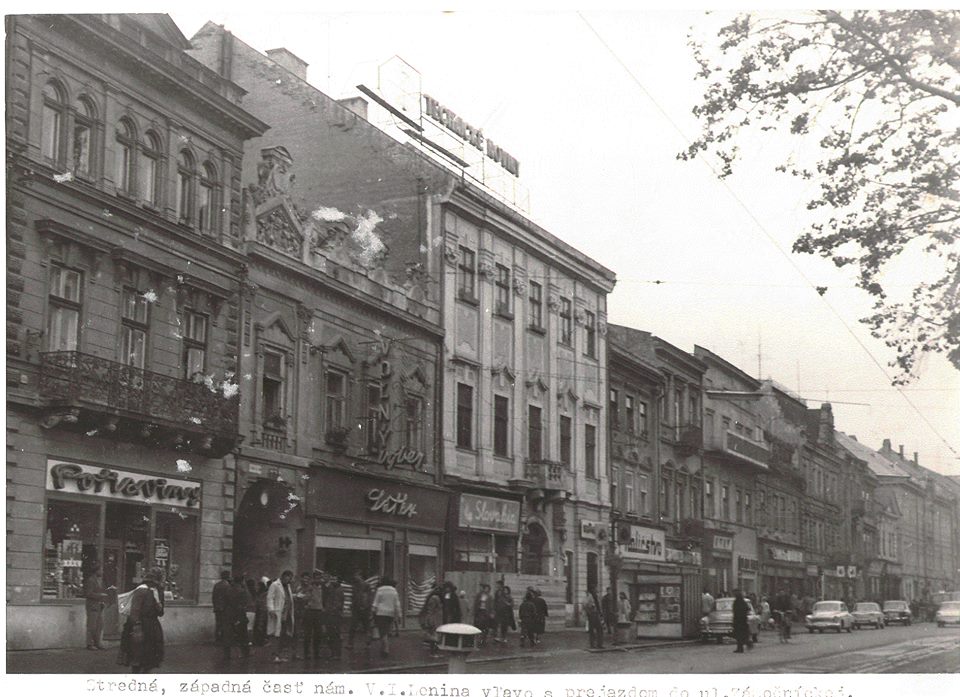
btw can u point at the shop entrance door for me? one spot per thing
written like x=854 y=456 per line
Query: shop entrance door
x=126 y=533
x=534 y=551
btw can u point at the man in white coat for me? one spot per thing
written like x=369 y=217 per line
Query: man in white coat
x=280 y=616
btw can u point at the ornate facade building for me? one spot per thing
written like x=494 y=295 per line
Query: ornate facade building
x=521 y=376
x=123 y=295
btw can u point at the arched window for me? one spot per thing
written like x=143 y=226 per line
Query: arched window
x=52 y=123
x=150 y=169
x=83 y=137
x=126 y=156
x=185 y=188
x=208 y=199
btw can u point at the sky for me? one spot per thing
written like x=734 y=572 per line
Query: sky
x=597 y=148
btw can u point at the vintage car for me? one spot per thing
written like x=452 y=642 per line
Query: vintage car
x=829 y=614
x=867 y=614
x=949 y=613
x=719 y=623
x=897 y=611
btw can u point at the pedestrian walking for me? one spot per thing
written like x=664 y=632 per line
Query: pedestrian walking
x=280 y=619
x=386 y=611
x=707 y=603
x=624 y=611
x=313 y=617
x=141 y=642
x=235 y=619
x=218 y=597
x=450 y=602
x=259 y=591
x=333 y=601
x=360 y=602
x=591 y=607
x=301 y=592
x=503 y=609
x=431 y=617
x=96 y=599
x=542 y=614
x=764 y=612
x=741 y=629
x=528 y=620
x=483 y=612
x=465 y=612
x=609 y=616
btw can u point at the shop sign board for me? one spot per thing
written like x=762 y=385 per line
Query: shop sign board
x=352 y=497
x=593 y=530
x=645 y=543
x=469 y=134
x=783 y=554
x=812 y=570
x=107 y=482
x=745 y=563
x=487 y=513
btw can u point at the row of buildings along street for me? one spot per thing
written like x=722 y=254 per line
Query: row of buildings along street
x=249 y=329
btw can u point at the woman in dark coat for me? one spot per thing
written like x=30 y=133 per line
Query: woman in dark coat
x=259 y=593
x=141 y=643
x=741 y=629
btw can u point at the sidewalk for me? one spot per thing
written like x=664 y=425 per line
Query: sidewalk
x=407 y=653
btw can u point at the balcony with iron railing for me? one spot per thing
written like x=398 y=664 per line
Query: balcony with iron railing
x=690 y=437
x=87 y=392
x=547 y=475
x=741 y=448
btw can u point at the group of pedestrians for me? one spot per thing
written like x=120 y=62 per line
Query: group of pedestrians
x=308 y=612
x=494 y=613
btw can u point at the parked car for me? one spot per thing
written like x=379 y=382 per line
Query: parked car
x=949 y=613
x=897 y=611
x=867 y=614
x=829 y=614
x=719 y=623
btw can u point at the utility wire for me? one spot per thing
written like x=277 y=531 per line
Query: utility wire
x=765 y=232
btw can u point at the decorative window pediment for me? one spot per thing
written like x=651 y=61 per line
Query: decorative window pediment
x=416 y=380
x=503 y=374
x=274 y=323
x=279 y=228
x=341 y=346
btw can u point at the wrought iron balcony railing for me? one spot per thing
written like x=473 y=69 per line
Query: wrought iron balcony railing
x=113 y=391
x=547 y=475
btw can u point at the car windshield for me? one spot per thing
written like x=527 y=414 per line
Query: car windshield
x=952 y=605
x=827 y=606
x=895 y=605
x=725 y=604
x=867 y=607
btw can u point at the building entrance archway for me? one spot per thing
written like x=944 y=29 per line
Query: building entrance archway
x=535 y=551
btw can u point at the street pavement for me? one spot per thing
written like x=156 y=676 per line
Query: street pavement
x=408 y=653
x=920 y=648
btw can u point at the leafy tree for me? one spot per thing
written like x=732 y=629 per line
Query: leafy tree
x=879 y=92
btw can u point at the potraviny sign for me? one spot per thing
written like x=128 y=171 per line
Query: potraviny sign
x=470 y=134
x=70 y=477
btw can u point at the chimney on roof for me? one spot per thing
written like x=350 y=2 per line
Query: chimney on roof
x=358 y=105
x=915 y=460
x=886 y=446
x=285 y=58
x=901 y=452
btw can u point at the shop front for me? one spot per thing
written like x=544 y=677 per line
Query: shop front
x=123 y=518
x=382 y=527
x=486 y=533
x=718 y=577
x=783 y=569
x=658 y=581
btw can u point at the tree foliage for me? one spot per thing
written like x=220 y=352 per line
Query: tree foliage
x=876 y=96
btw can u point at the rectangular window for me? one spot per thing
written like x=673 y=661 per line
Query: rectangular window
x=748 y=508
x=183 y=196
x=206 y=207
x=51 y=136
x=467 y=276
x=413 y=423
x=503 y=291
x=373 y=425
x=590 y=450
x=536 y=305
x=630 y=502
x=464 y=416
x=63 y=321
x=124 y=178
x=615 y=488
x=629 y=415
x=534 y=433
x=148 y=178
x=725 y=502
x=274 y=386
x=614 y=409
x=566 y=429
x=709 y=508
x=644 y=488
x=677 y=406
x=194 y=344
x=82 y=136
x=566 y=322
x=133 y=330
x=694 y=501
x=501 y=426
x=693 y=414
x=738 y=505
x=590 y=330
x=642 y=417
x=665 y=497
x=336 y=401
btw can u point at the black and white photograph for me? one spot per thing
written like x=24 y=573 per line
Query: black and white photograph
x=570 y=340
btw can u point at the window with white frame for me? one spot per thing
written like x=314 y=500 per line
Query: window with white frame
x=133 y=328
x=194 y=344
x=335 y=401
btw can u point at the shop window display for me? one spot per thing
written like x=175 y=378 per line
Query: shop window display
x=422 y=575
x=70 y=544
